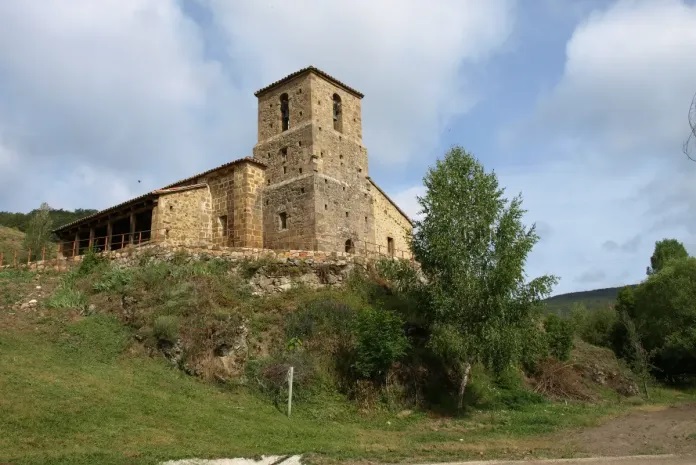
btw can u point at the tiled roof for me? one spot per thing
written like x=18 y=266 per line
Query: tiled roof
x=307 y=70
x=390 y=200
x=107 y=210
x=180 y=189
x=153 y=194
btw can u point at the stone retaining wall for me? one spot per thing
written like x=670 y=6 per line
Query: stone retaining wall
x=279 y=271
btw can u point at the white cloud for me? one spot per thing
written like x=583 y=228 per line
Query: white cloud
x=405 y=56
x=134 y=90
x=614 y=126
x=120 y=87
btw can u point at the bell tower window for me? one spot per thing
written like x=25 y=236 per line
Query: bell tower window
x=337 y=113
x=285 y=112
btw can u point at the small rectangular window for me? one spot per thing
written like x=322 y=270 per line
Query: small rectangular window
x=390 y=246
x=300 y=170
x=283 y=217
x=285 y=169
x=223 y=225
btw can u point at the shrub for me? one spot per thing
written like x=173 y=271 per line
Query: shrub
x=90 y=262
x=66 y=296
x=271 y=375
x=559 y=336
x=166 y=329
x=379 y=342
x=114 y=279
x=594 y=327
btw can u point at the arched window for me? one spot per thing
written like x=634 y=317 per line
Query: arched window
x=285 y=112
x=337 y=113
x=350 y=248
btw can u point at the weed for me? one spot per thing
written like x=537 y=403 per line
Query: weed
x=67 y=297
x=166 y=329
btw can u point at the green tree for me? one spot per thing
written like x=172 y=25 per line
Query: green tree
x=472 y=246
x=665 y=318
x=38 y=232
x=666 y=250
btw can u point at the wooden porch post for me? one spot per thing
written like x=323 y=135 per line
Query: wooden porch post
x=91 y=237
x=109 y=231
x=132 y=228
x=76 y=244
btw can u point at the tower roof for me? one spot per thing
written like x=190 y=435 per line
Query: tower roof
x=309 y=69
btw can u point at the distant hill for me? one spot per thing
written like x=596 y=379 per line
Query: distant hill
x=592 y=300
x=11 y=241
x=20 y=221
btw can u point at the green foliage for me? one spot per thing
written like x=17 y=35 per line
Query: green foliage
x=114 y=279
x=38 y=232
x=559 y=336
x=379 y=342
x=271 y=376
x=472 y=246
x=90 y=262
x=166 y=328
x=665 y=317
x=594 y=327
x=666 y=251
x=21 y=221
x=67 y=296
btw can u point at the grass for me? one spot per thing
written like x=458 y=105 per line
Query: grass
x=11 y=242
x=78 y=389
x=81 y=397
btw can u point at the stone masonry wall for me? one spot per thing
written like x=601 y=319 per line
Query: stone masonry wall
x=275 y=271
x=247 y=229
x=299 y=99
x=183 y=216
x=389 y=222
x=322 y=108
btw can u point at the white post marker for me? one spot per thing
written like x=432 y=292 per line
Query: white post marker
x=291 y=372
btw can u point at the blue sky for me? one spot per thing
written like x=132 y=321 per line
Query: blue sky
x=580 y=105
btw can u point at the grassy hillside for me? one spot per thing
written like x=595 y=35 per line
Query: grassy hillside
x=84 y=380
x=592 y=300
x=11 y=241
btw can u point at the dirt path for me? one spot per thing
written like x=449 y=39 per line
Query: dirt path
x=650 y=430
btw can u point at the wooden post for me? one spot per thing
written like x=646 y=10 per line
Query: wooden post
x=140 y=237
x=123 y=240
x=29 y=257
x=76 y=244
x=109 y=232
x=14 y=259
x=91 y=237
x=43 y=254
x=290 y=376
x=60 y=249
x=132 y=228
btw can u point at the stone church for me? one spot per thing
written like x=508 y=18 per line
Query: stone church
x=307 y=187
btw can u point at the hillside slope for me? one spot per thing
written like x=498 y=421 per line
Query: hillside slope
x=11 y=241
x=595 y=299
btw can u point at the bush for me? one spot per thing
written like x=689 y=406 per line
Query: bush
x=594 y=327
x=66 y=296
x=271 y=375
x=166 y=329
x=114 y=279
x=379 y=342
x=90 y=261
x=559 y=336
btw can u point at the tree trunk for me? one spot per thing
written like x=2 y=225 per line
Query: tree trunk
x=466 y=369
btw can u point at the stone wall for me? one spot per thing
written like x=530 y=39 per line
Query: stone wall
x=299 y=100
x=390 y=223
x=272 y=270
x=247 y=228
x=183 y=216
